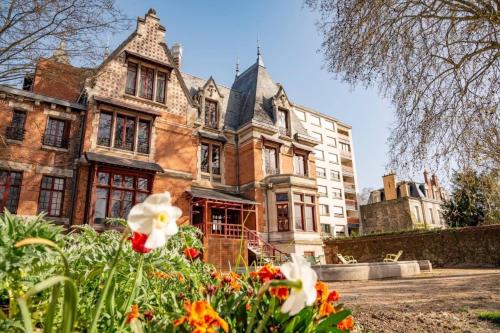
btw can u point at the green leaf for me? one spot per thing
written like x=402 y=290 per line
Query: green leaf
x=332 y=321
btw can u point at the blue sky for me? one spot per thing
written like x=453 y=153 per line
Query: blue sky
x=213 y=33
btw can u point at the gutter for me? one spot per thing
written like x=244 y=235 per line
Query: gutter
x=76 y=176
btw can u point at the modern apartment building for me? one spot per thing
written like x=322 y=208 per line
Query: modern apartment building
x=335 y=172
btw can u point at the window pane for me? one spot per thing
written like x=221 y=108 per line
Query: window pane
x=270 y=160
x=104 y=133
x=299 y=165
x=10 y=182
x=116 y=200
x=211 y=114
x=282 y=212
x=308 y=199
x=281 y=196
x=322 y=190
x=131 y=78
x=204 y=157
x=146 y=84
x=337 y=193
x=56 y=202
x=309 y=212
x=103 y=178
x=329 y=125
x=331 y=141
x=298 y=216
x=216 y=160
x=301 y=115
x=54 y=133
x=142 y=183
x=18 y=118
x=283 y=122
x=317 y=136
x=51 y=195
x=58 y=184
x=140 y=197
x=333 y=158
x=124 y=132
x=43 y=202
x=338 y=210
x=46 y=183
x=127 y=203
x=297 y=197
x=320 y=172
x=143 y=137
x=319 y=154
x=12 y=199
x=323 y=209
x=335 y=175
x=314 y=120
x=161 y=80
x=128 y=182
x=129 y=135
x=101 y=204
x=117 y=180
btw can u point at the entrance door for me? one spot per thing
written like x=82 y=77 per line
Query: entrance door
x=283 y=224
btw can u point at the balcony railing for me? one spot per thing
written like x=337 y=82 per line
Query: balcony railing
x=343 y=137
x=345 y=154
x=284 y=131
x=349 y=187
x=348 y=171
x=350 y=204
x=15 y=133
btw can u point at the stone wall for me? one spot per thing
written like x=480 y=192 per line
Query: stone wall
x=472 y=246
x=385 y=216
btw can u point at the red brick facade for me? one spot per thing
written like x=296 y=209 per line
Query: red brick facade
x=122 y=139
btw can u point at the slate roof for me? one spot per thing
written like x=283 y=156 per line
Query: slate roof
x=248 y=100
x=124 y=162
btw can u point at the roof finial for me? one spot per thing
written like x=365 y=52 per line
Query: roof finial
x=259 y=55
x=237 y=66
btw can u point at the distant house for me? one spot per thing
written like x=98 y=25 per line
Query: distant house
x=403 y=205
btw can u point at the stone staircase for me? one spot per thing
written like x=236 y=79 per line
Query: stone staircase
x=264 y=252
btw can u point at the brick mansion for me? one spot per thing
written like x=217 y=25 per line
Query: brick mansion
x=84 y=145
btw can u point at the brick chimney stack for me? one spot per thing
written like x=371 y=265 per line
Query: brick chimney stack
x=177 y=54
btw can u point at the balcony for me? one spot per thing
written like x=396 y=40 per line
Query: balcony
x=350 y=204
x=352 y=220
x=343 y=137
x=347 y=171
x=349 y=187
x=346 y=154
x=15 y=133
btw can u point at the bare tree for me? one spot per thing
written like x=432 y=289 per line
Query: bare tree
x=364 y=195
x=31 y=29
x=437 y=60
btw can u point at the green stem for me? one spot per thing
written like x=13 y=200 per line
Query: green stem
x=137 y=282
x=102 y=298
x=268 y=315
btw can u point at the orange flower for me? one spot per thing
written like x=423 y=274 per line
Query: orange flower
x=266 y=273
x=201 y=317
x=233 y=280
x=248 y=307
x=166 y=276
x=279 y=292
x=333 y=296
x=326 y=309
x=133 y=314
x=321 y=291
x=346 y=324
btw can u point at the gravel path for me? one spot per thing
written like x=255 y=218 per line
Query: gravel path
x=446 y=300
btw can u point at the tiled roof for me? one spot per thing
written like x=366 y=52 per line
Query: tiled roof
x=205 y=193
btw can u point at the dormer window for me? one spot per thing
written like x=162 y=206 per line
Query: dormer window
x=152 y=83
x=283 y=122
x=211 y=114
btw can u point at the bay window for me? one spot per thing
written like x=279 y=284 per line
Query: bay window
x=118 y=191
x=304 y=209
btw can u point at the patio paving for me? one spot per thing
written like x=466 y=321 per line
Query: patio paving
x=446 y=300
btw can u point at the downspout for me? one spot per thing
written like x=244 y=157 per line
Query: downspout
x=76 y=176
x=236 y=141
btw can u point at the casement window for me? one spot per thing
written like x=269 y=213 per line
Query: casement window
x=210 y=158
x=335 y=175
x=120 y=131
x=271 y=160
x=330 y=141
x=324 y=210
x=320 y=172
x=333 y=158
x=322 y=190
x=283 y=122
x=56 y=133
x=338 y=211
x=301 y=115
x=317 y=136
x=116 y=192
x=299 y=164
x=211 y=114
x=304 y=209
x=10 y=188
x=320 y=155
x=16 y=129
x=51 y=196
x=161 y=85
x=131 y=78
x=345 y=146
x=326 y=228
x=329 y=125
x=282 y=212
x=336 y=193
x=314 y=120
x=146 y=82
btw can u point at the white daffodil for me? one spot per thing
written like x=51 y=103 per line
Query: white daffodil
x=299 y=271
x=156 y=218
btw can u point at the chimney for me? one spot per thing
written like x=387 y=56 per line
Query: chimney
x=405 y=190
x=426 y=177
x=177 y=54
x=390 y=190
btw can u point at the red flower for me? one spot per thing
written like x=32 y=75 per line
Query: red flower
x=191 y=253
x=138 y=241
x=148 y=315
x=333 y=296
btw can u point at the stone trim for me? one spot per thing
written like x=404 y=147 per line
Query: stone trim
x=64 y=150
x=60 y=114
x=21 y=106
x=176 y=174
x=16 y=166
x=53 y=171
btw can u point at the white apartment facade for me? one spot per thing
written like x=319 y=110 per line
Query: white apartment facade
x=335 y=172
